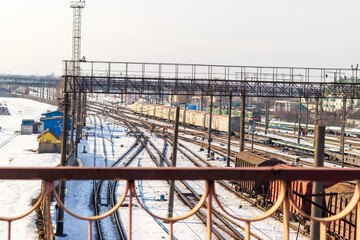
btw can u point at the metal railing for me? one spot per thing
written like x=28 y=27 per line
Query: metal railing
x=209 y=196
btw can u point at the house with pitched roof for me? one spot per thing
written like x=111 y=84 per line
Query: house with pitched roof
x=49 y=142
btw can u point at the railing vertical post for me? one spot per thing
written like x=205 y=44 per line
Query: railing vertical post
x=47 y=199
x=171 y=232
x=209 y=209
x=130 y=209
x=357 y=223
x=323 y=229
x=90 y=230
x=9 y=230
x=229 y=133
x=173 y=163
x=247 y=230
x=317 y=186
x=286 y=210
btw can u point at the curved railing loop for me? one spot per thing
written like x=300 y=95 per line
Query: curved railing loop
x=351 y=205
x=9 y=219
x=267 y=214
x=93 y=218
x=173 y=220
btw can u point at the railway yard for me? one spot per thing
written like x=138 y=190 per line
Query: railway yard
x=122 y=137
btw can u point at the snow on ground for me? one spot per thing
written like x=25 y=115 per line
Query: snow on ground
x=21 y=151
x=16 y=196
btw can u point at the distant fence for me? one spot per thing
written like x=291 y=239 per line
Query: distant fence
x=39 y=99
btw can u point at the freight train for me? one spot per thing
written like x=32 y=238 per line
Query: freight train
x=220 y=123
x=335 y=198
x=190 y=117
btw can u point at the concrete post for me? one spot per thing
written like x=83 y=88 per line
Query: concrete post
x=299 y=122
x=316 y=119
x=242 y=123
x=267 y=115
x=173 y=163
x=317 y=186
x=220 y=105
x=210 y=123
x=229 y=134
x=321 y=118
x=307 y=115
x=60 y=215
x=342 y=148
x=73 y=118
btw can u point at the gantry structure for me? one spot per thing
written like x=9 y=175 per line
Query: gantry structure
x=29 y=81
x=210 y=80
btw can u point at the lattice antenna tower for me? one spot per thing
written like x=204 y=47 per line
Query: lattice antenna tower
x=76 y=44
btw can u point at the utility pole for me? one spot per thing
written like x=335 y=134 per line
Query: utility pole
x=210 y=122
x=173 y=163
x=242 y=122
x=316 y=119
x=267 y=115
x=252 y=134
x=60 y=215
x=307 y=115
x=342 y=148
x=299 y=124
x=317 y=186
x=220 y=105
x=229 y=133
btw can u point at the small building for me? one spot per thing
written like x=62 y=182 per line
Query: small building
x=54 y=122
x=49 y=142
x=27 y=126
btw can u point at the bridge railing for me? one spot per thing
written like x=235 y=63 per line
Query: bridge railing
x=209 y=196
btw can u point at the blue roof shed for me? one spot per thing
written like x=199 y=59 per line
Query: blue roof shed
x=27 y=122
x=55 y=124
x=53 y=114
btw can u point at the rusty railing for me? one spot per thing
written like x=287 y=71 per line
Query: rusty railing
x=285 y=200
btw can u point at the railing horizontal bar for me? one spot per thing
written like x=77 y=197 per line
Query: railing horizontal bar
x=261 y=173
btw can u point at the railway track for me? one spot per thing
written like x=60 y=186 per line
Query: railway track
x=107 y=188
x=6 y=141
x=204 y=164
x=189 y=196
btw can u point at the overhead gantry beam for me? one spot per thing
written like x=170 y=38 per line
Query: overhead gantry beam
x=215 y=80
x=29 y=81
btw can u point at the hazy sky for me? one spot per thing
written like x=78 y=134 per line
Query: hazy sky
x=36 y=35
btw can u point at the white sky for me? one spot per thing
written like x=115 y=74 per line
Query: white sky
x=36 y=35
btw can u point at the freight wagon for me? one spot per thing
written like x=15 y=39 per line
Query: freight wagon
x=335 y=198
x=190 y=117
